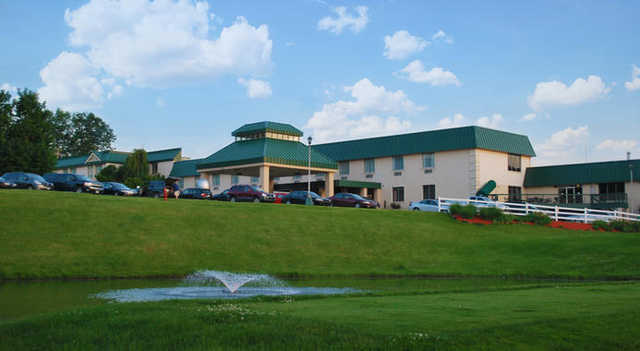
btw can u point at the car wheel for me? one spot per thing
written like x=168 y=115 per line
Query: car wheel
x=155 y=196
x=357 y=206
x=30 y=187
x=330 y=204
x=117 y=194
x=416 y=209
x=256 y=200
x=233 y=199
x=288 y=202
x=78 y=190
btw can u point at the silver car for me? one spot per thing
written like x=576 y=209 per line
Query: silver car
x=428 y=205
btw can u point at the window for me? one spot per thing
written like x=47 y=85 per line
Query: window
x=611 y=192
x=398 y=163
x=255 y=180
x=216 y=179
x=515 y=162
x=370 y=166
x=343 y=167
x=154 y=168
x=234 y=179
x=429 y=191
x=515 y=193
x=428 y=160
x=398 y=194
x=90 y=170
x=182 y=183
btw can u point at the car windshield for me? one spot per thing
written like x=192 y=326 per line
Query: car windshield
x=37 y=177
x=83 y=178
x=119 y=186
x=251 y=187
x=358 y=197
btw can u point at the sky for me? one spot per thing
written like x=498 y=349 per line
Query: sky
x=183 y=73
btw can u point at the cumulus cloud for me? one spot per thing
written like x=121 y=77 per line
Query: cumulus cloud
x=9 y=88
x=345 y=20
x=563 y=146
x=71 y=83
x=617 y=145
x=402 y=44
x=441 y=35
x=529 y=117
x=415 y=72
x=555 y=93
x=256 y=89
x=634 y=84
x=373 y=111
x=459 y=120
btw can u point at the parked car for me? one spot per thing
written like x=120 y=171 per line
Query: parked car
x=223 y=196
x=28 y=181
x=196 y=193
x=6 y=184
x=249 y=193
x=428 y=205
x=300 y=197
x=118 y=189
x=486 y=202
x=278 y=196
x=74 y=182
x=155 y=188
x=351 y=200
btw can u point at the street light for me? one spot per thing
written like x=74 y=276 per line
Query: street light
x=308 y=201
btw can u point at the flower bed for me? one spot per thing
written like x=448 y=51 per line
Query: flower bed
x=554 y=224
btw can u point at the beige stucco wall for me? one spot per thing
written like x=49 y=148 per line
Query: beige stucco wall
x=493 y=165
x=164 y=168
x=633 y=189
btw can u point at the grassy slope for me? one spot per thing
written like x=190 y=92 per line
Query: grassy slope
x=596 y=317
x=53 y=234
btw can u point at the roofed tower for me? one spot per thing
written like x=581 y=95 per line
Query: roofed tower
x=267 y=129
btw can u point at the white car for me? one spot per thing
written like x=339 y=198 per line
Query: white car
x=428 y=205
x=489 y=202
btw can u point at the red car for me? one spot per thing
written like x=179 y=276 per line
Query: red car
x=279 y=195
x=248 y=193
x=352 y=200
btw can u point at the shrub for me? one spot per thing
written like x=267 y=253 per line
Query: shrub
x=491 y=214
x=395 y=205
x=468 y=211
x=617 y=225
x=455 y=209
x=506 y=219
x=601 y=225
x=624 y=226
x=537 y=218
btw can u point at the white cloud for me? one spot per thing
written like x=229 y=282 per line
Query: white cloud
x=563 y=146
x=529 y=117
x=373 y=111
x=634 y=84
x=157 y=42
x=441 y=35
x=617 y=145
x=256 y=89
x=402 y=44
x=459 y=120
x=494 y=121
x=345 y=20
x=415 y=72
x=554 y=93
x=71 y=83
x=10 y=89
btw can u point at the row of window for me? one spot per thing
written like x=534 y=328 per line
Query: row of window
x=428 y=192
x=428 y=161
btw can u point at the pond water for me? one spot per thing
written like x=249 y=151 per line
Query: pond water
x=20 y=299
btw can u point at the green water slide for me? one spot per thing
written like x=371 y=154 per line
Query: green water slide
x=486 y=189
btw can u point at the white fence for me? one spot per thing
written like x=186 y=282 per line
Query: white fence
x=568 y=214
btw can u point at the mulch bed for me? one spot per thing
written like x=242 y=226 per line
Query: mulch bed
x=554 y=224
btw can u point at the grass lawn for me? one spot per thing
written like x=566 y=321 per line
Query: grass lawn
x=585 y=317
x=62 y=235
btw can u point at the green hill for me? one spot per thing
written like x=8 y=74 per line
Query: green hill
x=55 y=235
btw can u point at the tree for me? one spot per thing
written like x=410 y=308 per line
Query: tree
x=109 y=174
x=85 y=132
x=61 y=122
x=5 y=123
x=30 y=137
x=136 y=164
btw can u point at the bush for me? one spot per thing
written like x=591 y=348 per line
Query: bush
x=468 y=211
x=491 y=214
x=538 y=218
x=395 y=205
x=455 y=209
x=601 y=225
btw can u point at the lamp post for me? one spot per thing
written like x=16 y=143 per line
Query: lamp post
x=309 y=201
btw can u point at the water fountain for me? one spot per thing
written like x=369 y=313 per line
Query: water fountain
x=211 y=284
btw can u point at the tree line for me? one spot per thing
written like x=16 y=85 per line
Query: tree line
x=32 y=137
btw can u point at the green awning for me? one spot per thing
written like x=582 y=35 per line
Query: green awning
x=356 y=184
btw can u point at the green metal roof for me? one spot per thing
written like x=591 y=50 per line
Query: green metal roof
x=110 y=157
x=69 y=162
x=163 y=155
x=267 y=126
x=343 y=183
x=472 y=137
x=582 y=173
x=284 y=152
x=185 y=169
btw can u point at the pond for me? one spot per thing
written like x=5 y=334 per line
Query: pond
x=20 y=299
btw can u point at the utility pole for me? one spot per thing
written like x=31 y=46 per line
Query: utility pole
x=309 y=201
x=630 y=182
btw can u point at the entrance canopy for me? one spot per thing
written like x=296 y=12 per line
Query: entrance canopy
x=267 y=150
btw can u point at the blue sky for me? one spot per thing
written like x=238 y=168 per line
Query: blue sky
x=172 y=73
